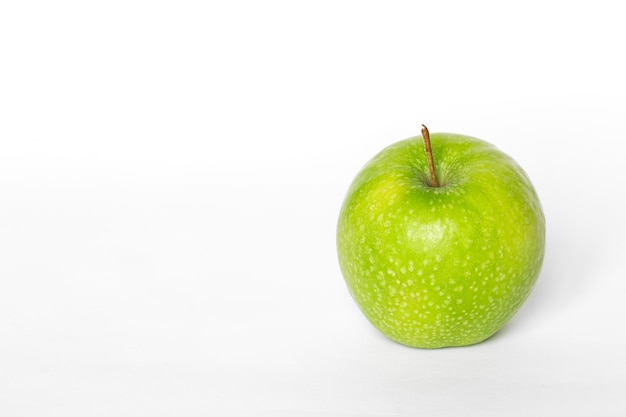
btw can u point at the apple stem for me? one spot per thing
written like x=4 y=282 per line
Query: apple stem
x=429 y=156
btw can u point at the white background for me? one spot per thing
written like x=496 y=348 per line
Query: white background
x=171 y=175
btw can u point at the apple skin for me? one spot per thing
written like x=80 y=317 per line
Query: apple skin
x=447 y=266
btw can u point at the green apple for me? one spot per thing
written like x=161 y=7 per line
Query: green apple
x=440 y=253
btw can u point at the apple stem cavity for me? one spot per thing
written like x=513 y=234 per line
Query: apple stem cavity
x=429 y=156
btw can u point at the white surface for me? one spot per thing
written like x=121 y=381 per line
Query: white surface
x=171 y=175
